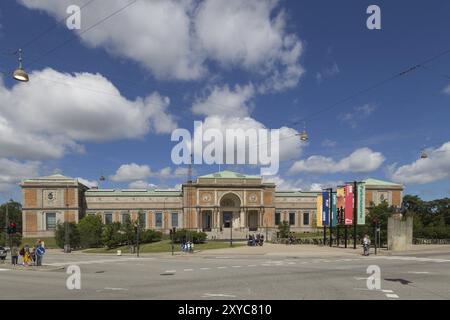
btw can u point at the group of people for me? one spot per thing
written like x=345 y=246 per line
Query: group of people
x=187 y=246
x=257 y=240
x=29 y=256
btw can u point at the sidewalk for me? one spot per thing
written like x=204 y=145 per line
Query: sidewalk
x=44 y=267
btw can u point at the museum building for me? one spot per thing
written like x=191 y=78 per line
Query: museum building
x=219 y=204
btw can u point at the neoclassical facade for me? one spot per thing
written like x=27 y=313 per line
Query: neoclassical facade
x=218 y=204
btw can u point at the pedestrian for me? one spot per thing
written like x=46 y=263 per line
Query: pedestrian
x=366 y=245
x=25 y=252
x=14 y=255
x=192 y=247
x=33 y=256
x=40 y=251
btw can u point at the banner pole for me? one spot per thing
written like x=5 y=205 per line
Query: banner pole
x=355 y=213
x=331 y=216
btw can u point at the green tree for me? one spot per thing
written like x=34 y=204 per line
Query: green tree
x=74 y=234
x=113 y=235
x=14 y=214
x=90 y=229
x=284 y=229
x=381 y=214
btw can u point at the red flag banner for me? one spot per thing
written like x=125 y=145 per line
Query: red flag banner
x=348 y=204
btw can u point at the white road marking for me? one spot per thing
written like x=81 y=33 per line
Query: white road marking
x=412 y=259
x=218 y=295
x=251 y=265
x=170 y=271
x=205 y=268
x=188 y=270
x=360 y=278
x=4 y=269
x=419 y=272
x=291 y=262
x=116 y=289
x=222 y=267
x=387 y=291
x=235 y=266
x=97 y=261
x=392 y=295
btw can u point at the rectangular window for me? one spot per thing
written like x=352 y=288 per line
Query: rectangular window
x=277 y=218
x=174 y=219
x=291 y=218
x=50 y=220
x=142 y=219
x=108 y=218
x=306 y=218
x=158 y=220
x=125 y=217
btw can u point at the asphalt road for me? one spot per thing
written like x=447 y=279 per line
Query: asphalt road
x=297 y=274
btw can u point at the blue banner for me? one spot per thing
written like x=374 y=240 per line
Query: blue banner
x=326 y=208
x=334 y=209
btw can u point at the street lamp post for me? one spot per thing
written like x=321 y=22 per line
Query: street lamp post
x=231 y=232
x=66 y=223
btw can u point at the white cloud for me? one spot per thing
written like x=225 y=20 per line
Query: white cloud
x=283 y=184
x=223 y=101
x=319 y=186
x=447 y=89
x=435 y=167
x=12 y=172
x=130 y=172
x=75 y=107
x=327 y=73
x=141 y=184
x=327 y=143
x=361 y=160
x=135 y=172
x=290 y=144
x=88 y=183
x=357 y=114
x=251 y=34
x=155 y=33
x=175 y=39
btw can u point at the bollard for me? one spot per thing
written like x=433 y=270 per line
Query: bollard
x=119 y=252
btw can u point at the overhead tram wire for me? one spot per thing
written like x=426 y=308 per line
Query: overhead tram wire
x=44 y=32
x=52 y=27
x=74 y=37
x=369 y=88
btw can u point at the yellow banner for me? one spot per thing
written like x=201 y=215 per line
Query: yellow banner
x=319 y=210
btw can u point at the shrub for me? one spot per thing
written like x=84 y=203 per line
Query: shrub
x=90 y=228
x=113 y=235
x=183 y=235
x=74 y=235
x=283 y=230
x=149 y=236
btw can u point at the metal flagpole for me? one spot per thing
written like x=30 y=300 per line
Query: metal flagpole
x=355 y=203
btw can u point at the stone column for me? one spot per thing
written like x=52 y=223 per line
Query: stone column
x=242 y=213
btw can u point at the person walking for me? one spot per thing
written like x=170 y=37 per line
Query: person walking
x=40 y=251
x=366 y=245
x=14 y=255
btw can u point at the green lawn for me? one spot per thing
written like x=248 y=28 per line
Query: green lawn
x=165 y=246
x=50 y=243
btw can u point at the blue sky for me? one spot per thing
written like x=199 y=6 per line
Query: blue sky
x=90 y=108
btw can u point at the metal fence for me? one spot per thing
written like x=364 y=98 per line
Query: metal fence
x=430 y=241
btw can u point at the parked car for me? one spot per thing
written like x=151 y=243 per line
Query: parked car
x=3 y=253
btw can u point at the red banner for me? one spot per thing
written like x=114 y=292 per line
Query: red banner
x=348 y=204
